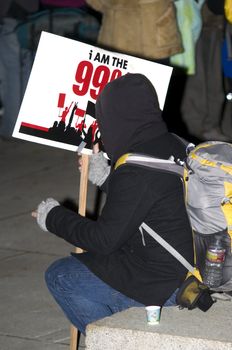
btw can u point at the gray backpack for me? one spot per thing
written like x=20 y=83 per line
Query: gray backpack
x=207 y=178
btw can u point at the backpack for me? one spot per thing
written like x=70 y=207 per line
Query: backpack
x=207 y=179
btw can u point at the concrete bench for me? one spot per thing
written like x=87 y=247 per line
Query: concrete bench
x=178 y=329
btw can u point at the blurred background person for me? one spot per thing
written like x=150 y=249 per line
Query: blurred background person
x=12 y=85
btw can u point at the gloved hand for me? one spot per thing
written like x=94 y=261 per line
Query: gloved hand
x=99 y=168
x=42 y=211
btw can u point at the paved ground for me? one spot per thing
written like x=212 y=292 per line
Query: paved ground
x=29 y=318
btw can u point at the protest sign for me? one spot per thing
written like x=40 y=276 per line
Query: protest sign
x=65 y=81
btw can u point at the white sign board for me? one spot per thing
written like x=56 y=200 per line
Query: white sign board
x=65 y=81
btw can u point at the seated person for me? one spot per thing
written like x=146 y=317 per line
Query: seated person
x=120 y=267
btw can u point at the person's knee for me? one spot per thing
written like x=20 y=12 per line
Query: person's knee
x=52 y=273
x=49 y=277
x=59 y=276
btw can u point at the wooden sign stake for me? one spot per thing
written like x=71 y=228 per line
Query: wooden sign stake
x=81 y=211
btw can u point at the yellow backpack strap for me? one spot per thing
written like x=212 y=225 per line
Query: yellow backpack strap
x=195 y=271
x=226 y=209
x=228 y=10
x=122 y=160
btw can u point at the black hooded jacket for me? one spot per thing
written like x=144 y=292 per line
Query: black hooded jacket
x=129 y=118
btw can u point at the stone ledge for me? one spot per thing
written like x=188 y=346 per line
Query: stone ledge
x=178 y=330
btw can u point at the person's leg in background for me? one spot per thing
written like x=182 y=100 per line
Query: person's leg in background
x=203 y=99
x=9 y=75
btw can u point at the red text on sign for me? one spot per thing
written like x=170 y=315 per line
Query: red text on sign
x=93 y=80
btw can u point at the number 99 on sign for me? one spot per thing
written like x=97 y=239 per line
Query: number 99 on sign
x=92 y=80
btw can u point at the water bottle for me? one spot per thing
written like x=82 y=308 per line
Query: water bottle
x=215 y=257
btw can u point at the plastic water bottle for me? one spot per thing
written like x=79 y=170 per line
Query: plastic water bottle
x=215 y=257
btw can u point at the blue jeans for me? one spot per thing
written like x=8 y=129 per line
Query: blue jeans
x=83 y=297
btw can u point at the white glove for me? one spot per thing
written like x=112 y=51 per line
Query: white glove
x=99 y=168
x=42 y=211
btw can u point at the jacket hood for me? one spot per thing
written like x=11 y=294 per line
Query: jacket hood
x=128 y=114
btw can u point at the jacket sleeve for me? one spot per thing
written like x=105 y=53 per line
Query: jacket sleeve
x=126 y=206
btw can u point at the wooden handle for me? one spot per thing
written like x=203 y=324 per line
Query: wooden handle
x=73 y=338
x=83 y=184
x=83 y=189
x=81 y=211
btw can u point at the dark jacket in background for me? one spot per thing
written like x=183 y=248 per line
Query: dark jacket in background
x=15 y=9
x=217 y=7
